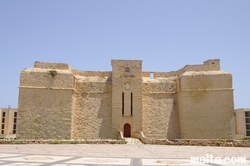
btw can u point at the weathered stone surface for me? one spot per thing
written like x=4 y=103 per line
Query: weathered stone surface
x=57 y=102
x=92 y=108
x=206 y=109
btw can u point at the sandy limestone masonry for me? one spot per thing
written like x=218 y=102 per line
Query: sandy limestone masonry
x=195 y=102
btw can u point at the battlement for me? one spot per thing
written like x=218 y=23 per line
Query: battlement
x=209 y=65
x=213 y=62
x=46 y=65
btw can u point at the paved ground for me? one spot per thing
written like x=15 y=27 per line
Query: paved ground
x=110 y=155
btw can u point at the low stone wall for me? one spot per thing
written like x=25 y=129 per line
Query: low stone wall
x=26 y=141
x=203 y=142
x=184 y=142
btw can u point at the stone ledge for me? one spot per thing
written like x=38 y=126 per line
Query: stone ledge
x=54 y=88
x=192 y=90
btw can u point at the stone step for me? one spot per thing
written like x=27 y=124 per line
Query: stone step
x=133 y=141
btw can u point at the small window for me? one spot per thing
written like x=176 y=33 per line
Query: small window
x=2 y=126
x=2 y=132
x=14 y=126
x=152 y=75
x=248 y=127
x=14 y=120
x=3 y=120
x=14 y=131
x=3 y=114
x=127 y=69
x=15 y=114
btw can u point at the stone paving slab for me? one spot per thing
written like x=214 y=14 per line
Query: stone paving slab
x=110 y=155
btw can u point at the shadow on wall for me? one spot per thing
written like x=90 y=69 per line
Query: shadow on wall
x=173 y=130
x=105 y=113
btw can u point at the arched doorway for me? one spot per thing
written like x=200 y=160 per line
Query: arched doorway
x=127 y=130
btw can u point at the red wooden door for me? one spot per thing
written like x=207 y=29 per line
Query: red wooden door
x=126 y=132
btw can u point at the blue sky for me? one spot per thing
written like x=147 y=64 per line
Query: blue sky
x=166 y=35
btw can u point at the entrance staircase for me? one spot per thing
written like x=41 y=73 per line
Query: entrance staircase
x=133 y=141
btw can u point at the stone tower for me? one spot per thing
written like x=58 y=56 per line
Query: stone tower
x=126 y=96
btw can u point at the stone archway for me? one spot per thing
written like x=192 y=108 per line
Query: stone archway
x=127 y=130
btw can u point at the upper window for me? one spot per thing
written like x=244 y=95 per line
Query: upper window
x=127 y=69
x=152 y=75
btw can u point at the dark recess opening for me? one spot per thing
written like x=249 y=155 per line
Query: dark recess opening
x=131 y=102
x=122 y=103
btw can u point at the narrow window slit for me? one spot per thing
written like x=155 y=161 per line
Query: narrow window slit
x=122 y=103
x=131 y=103
x=14 y=126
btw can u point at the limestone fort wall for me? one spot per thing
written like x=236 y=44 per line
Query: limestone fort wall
x=45 y=102
x=92 y=108
x=160 y=108
x=193 y=102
